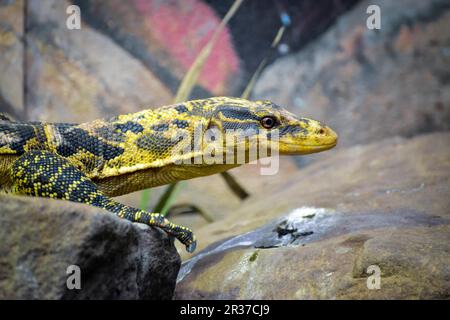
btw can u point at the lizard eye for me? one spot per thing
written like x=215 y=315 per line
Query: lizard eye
x=268 y=122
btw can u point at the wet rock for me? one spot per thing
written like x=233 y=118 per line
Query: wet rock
x=392 y=168
x=337 y=268
x=11 y=57
x=79 y=75
x=314 y=237
x=371 y=84
x=41 y=238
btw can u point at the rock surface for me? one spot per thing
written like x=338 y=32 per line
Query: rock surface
x=371 y=84
x=41 y=238
x=11 y=57
x=314 y=237
x=80 y=75
x=254 y=27
x=167 y=37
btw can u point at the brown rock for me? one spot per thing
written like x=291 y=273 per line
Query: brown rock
x=11 y=57
x=330 y=269
x=167 y=37
x=40 y=238
x=371 y=84
x=384 y=204
x=80 y=75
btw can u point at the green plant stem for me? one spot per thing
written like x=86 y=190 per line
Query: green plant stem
x=168 y=198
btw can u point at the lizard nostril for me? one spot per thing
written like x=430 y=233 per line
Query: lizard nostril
x=322 y=131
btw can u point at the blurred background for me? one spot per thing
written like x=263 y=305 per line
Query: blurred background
x=368 y=85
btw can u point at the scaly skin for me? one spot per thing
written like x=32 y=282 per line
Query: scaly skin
x=93 y=161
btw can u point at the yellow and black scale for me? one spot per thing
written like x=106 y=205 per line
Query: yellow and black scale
x=94 y=161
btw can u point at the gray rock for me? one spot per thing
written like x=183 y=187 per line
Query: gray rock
x=41 y=238
x=371 y=84
x=81 y=75
x=315 y=236
x=11 y=57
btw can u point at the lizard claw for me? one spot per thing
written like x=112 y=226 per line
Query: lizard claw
x=191 y=247
x=183 y=234
x=189 y=240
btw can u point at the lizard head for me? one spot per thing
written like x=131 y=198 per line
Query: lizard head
x=274 y=126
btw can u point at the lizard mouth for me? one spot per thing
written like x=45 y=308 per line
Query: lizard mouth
x=321 y=146
x=299 y=149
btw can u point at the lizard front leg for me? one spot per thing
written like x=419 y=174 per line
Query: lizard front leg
x=46 y=174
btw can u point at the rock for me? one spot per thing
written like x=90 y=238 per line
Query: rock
x=385 y=204
x=80 y=75
x=371 y=84
x=330 y=269
x=41 y=238
x=167 y=37
x=254 y=27
x=11 y=57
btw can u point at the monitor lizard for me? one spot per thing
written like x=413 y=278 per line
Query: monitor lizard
x=94 y=161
